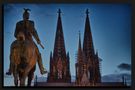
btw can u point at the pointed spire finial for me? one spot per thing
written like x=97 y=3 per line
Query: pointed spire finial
x=87 y=11
x=59 y=11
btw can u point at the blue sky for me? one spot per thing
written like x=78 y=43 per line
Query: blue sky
x=110 y=27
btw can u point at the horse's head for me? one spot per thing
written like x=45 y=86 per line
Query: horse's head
x=21 y=36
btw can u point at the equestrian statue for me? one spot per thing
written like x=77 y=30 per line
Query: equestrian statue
x=24 y=53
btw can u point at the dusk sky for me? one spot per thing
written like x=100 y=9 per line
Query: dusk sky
x=110 y=27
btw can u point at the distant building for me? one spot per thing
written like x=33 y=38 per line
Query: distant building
x=59 y=61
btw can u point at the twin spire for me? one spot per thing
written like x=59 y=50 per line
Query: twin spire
x=59 y=47
x=87 y=65
x=59 y=61
x=88 y=47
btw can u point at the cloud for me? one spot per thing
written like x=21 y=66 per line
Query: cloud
x=124 y=66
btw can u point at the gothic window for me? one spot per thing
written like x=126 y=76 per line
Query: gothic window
x=59 y=68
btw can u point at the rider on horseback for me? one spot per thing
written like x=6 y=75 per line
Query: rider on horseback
x=27 y=27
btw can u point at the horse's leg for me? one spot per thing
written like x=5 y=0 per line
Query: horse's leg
x=22 y=81
x=16 y=80
x=15 y=75
x=31 y=75
x=22 y=78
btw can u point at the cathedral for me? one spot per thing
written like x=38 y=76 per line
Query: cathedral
x=87 y=65
x=59 y=60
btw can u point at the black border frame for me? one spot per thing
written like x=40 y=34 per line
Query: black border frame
x=74 y=2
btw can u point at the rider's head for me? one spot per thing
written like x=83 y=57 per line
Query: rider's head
x=26 y=14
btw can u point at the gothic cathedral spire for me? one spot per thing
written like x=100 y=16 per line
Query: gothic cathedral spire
x=59 y=47
x=88 y=47
x=59 y=62
x=87 y=66
x=80 y=52
x=80 y=65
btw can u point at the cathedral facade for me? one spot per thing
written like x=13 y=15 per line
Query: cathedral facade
x=59 y=60
x=87 y=65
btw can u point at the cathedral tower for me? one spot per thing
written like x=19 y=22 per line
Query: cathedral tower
x=91 y=58
x=81 y=67
x=59 y=60
x=87 y=66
